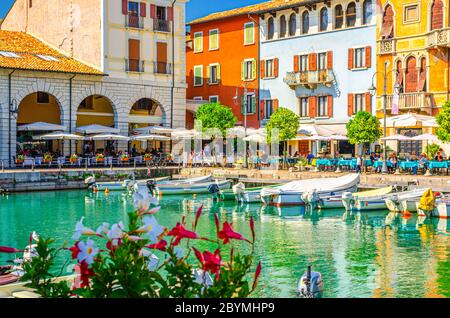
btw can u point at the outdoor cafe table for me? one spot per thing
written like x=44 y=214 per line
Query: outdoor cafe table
x=323 y=162
x=347 y=162
x=379 y=164
x=404 y=165
x=438 y=165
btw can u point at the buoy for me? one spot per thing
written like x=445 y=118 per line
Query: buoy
x=406 y=214
x=106 y=191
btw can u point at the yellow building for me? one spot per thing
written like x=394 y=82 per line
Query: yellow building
x=413 y=37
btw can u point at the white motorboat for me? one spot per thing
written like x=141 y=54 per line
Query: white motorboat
x=242 y=194
x=348 y=199
x=191 y=188
x=404 y=201
x=291 y=193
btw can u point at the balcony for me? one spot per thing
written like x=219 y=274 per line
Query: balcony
x=135 y=21
x=161 y=25
x=162 y=68
x=309 y=79
x=412 y=101
x=438 y=38
x=387 y=46
x=135 y=66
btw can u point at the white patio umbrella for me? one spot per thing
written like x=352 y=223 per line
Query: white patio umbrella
x=108 y=137
x=150 y=137
x=154 y=130
x=259 y=138
x=60 y=136
x=426 y=137
x=338 y=137
x=397 y=137
x=96 y=129
x=408 y=120
x=40 y=126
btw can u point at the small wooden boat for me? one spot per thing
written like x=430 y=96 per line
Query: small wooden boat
x=242 y=194
x=347 y=200
x=404 y=201
x=293 y=193
x=194 y=188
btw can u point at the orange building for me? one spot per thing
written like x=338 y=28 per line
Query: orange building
x=222 y=60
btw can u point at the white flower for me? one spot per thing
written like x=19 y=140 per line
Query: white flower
x=80 y=229
x=152 y=260
x=143 y=201
x=87 y=252
x=151 y=228
x=116 y=231
x=103 y=229
x=179 y=252
x=202 y=278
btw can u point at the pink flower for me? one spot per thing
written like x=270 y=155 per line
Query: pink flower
x=6 y=249
x=84 y=275
x=180 y=232
x=210 y=262
x=228 y=233
x=75 y=250
x=252 y=227
x=257 y=273
x=161 y=245
x=197 y=216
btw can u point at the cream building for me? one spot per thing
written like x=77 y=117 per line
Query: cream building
x=134 y=52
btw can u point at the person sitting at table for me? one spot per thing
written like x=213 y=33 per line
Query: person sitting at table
x=296 y=155
x=310 y=157
x=393 y=160
x=443 y=153
x=372 y=157
x=423 y=161
x=413 y=157
x=439 y=157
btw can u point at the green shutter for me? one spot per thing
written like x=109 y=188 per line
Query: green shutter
x=208 y=73
x=198 y=43
x=254 y=104
x=197 y=75
x=218 y=72
x=253 y=69
x=249 y=36
x=242 y=70
x=213 y=40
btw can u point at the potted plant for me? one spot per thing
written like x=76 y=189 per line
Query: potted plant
x=147 y=157
x=48 y=158
x=239 y=163
x=99 y=157
x=20 y=159
x=301 y=164
x=73 y=158
x=125 y=157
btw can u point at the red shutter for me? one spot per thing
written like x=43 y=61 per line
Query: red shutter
x=350 y=105
x=296 y=63
x=312 y=106
x=368 y=103
x=368 y=57
x=153 y=11
x=261 y=109
x=275 y=105
x=350 y=59
x=330 y=106
x=262 y=69
x=330 y=60
x=143 y=9
x=170 y=13
x=312 y=63
x=125 y=7
x=275 y=67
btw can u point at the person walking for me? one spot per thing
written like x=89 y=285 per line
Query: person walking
x=358 y=164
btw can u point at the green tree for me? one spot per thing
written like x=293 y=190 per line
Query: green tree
x=287 y=123
x=216 y=116
x=432 y=150
x=443 y=120
x=363 y=128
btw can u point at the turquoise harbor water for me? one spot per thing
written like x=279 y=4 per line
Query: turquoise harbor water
x=363 y=255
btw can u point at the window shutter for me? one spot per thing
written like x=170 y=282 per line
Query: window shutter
x=275 y=105
x=368 y=103
x=312 y=106
x=330 y=106
x=218 y=71
x=350 y=58
x=312 y=61
x=422 y=80
x=254 y=69
x=153 y=11
x=261 y=110
x=170 y=13
x=275 y=67
x=208 y=73
x=125 y=7
x=242 y=70
x=350 y=105
x=262 y=69
x=368 y=57
x=296 y=63
x=143 y=9
x=254 y=104
x=330 y=60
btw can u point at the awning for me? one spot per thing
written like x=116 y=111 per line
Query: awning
x=154 y=130
x=108 y=137
x=150 y=138
x=41 y=126
x=410 y=120
x=60 y=136
x=96 y=129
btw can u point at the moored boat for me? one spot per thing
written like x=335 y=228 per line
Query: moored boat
x=242 y=194
x=347 y=199
x=291 y=193
x=194 y=188
x=404 y=201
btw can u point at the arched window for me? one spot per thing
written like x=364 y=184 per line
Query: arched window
x=399 y=76
x=387 y=28
x=338 y=17
x=351 y=15
x=437 y=15
x=411 y=75
x=282 y=27
x=367 y=11
x=270 y=28
x=292 y=24
x=305 y=22
x=323 y=19
x=422 y=85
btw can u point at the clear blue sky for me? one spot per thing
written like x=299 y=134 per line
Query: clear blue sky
x=195 y=8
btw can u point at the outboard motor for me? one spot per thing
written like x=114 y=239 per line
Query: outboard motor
x=311 y=199
x=239 y=190
x=90 y=181
x=214 y=189
x=151 y=186
x=310 y=285
x=348 y=201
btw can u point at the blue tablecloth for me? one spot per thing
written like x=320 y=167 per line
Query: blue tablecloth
x=347 y=162
x=323 y=162
x=379 y=164
x=438 y=164
x=408 y=164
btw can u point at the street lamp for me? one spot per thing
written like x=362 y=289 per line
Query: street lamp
x=373 y=91
x=13 y=112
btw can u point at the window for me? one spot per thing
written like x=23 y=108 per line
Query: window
x=9 y=54
x=249 y=33
x=322 y=110
x=214 y=99
x=213 y=74
x=360 y=103
x=133 y=8
x=270 y=29
x=360 y=58
x=87 y=103
x=43 y=98
x=198 y=98
x=282 y=27
x=198 y=75
x=250 y=103
x=322 y=61
x=351 y=15
x=143 y=104
x=198 y=42
x=387 y=28
x=437 y=15
x=161 y=13
x=249 y=70
x=268 y=109
x=269 y=68
x=338 y=17
x=323 y=19
x=305 y=22
x=304 y=108
x=292 y=24
x=213 y=39
x=303 y=63
x=411 y=13
x=411 y=75
x=422 y=86
x=47 y=58
x=367 y=11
